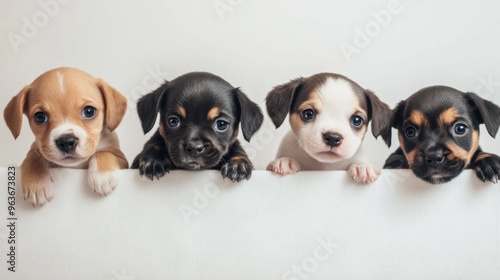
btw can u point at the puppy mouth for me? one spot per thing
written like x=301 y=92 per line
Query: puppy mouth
x=438 y=175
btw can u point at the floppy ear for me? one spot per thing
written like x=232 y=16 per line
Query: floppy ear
x=279 y=100
x=13 y=113
x=396 y=120
x=116 y=104
x=485 y=111
x=380 y=116
x=251 y=117
x=148 y=107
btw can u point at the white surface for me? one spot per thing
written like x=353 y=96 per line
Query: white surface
x=396 y=228
x=254 y=45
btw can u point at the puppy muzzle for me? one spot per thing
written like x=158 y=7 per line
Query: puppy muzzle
x=195 y=154
x=67 y=143
x=433 y=166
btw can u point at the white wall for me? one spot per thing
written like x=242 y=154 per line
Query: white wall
x=254 y=45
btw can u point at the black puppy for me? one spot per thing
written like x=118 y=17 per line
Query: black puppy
x=439 y=135
x=200 y=115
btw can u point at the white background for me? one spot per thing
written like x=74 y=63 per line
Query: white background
x=254 y=45
x=398 y=227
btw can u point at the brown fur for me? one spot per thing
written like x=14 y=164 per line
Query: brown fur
x=213 y=113
x=62 y=94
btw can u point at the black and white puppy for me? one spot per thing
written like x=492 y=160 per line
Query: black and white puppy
x=200 y=115
x=438 y=130
x=329 y=117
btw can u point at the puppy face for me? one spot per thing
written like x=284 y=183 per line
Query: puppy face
x=438 y=130
x=329 y=113
x=67 y=110
x=200 y=115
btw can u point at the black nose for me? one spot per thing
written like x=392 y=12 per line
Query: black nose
x=195 y=147
x=67 y=143
x=332 y=139
x=434 y=157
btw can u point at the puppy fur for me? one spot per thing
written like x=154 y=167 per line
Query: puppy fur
x=329 y=116
x=200 y=115
x=438 y=131
x=72 y=116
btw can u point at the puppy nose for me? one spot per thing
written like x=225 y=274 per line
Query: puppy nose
x=195 y=147
x=434 y=158
x=67 y=143
x=332 y=139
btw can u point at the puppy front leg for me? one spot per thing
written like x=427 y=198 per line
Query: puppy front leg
x=237 y=166
x=36 y=182
x=154 y=160
x=284 y=166
x=103 y=167
x=486 y=166
x=363 y=172
x=396 y=160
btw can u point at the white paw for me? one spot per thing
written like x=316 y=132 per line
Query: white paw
x=102 y=183
x=363 y=172
x=284 y=166
x=38 y=192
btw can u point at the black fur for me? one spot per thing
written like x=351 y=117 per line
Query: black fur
x=432 y=160
x=196 y=143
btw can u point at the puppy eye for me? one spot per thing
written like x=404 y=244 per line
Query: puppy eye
x=41 y=117
x=174 y=122
x=357 y=121
x=221 y=125
x=308 y=114
x=89 y=112
x=460 y=129
x=410 y=131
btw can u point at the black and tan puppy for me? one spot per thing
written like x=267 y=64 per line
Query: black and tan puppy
x=439 y=135
x=200 y=115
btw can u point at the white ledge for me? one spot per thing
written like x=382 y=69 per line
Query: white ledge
x=311 y=225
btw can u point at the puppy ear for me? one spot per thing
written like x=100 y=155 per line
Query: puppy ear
x=148 y=107
x=13 y=113
x=116 y=104
x=251 y=116
x=380 y=116
x=485 y=111
x=396 y=120
x=279 y=100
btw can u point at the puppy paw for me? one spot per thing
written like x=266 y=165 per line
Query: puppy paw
x=103 y=183
x=284 y=166
x=153 y=167
x=237 y=169
x=487 y=167
x=396 y=161
x=363 y=172
x=39 y=191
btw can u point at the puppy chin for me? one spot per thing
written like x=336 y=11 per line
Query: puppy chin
x=437 y=175
x=205 y=161
x=76 y=159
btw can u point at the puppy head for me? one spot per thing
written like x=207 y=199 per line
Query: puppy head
x=329 y=113
x=200 y=115
x=67 y=109
x=438 y=130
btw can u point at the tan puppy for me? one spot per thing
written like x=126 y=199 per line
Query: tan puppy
x=72 y=115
